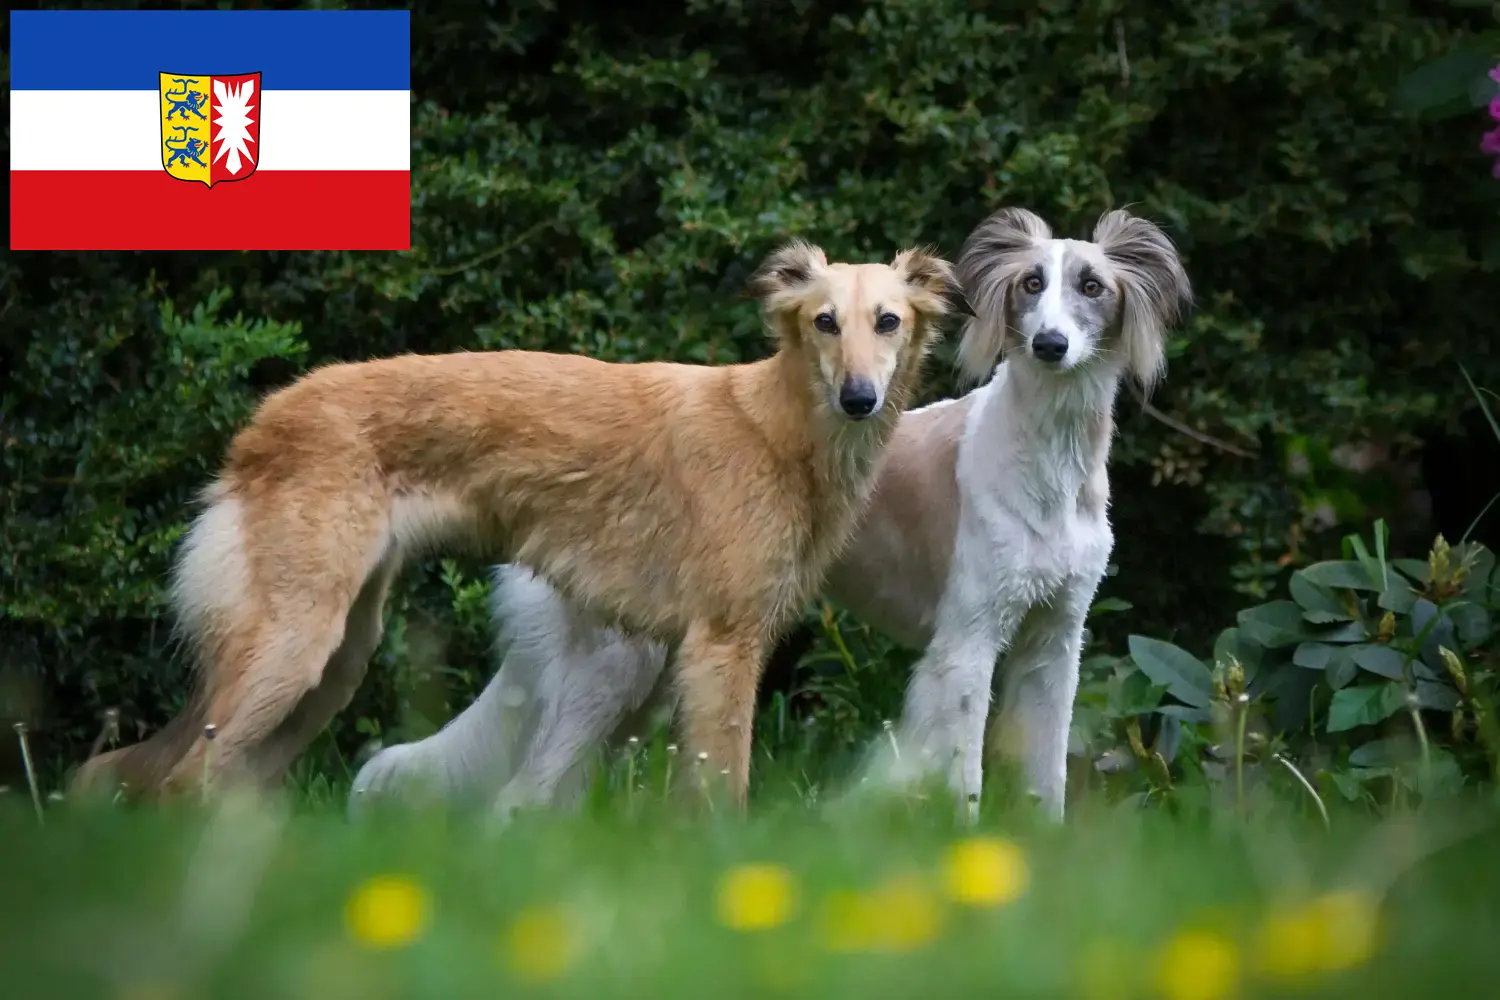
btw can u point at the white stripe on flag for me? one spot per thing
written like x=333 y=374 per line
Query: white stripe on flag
x=121 y=130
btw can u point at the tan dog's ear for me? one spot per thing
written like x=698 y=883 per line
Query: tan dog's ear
x=786 y=272
x=930 y=279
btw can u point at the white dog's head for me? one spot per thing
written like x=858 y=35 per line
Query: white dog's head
x=1069 y=305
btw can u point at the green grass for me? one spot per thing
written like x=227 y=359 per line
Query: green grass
x=251 y=902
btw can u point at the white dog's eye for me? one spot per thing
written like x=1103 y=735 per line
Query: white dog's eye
x=1032 y=284
x=1092 y=288
x=887 y=323
x=825 y=323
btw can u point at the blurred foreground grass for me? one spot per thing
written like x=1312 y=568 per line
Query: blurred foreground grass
x=636 y=898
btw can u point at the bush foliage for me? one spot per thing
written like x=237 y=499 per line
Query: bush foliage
x=589 y=178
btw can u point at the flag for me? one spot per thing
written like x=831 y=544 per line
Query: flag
x=210 y=130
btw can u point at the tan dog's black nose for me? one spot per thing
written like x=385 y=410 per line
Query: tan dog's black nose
x=857 y=398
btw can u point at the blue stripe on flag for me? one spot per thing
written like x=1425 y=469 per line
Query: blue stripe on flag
x=293 y=49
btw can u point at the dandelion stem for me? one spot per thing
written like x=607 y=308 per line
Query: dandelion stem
x=109 y=732
x=36 y=792
x=1302 y=780
x=1416 y=721
x=209 y=732
x=631 y=746
x=1239 y=752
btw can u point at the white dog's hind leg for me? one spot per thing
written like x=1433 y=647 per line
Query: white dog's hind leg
x=479 y=750
x=600 y=680
x=1038 y=684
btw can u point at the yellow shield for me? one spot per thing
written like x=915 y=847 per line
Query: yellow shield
x=185 y=125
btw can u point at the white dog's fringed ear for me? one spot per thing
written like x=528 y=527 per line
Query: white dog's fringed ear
x=993 y=257
x=930 y=279
x=1154 y=289
x=787 y=272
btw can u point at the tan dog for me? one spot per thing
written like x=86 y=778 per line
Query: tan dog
x=693 y=504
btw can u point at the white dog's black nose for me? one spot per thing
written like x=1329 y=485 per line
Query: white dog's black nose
x=857 y=398
x=1049 y=346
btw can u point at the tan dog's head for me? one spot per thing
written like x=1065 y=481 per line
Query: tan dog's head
x=866 y=325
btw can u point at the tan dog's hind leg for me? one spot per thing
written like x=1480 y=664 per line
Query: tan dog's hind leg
x=718 y=670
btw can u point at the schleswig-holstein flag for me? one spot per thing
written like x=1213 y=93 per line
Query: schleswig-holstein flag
x=210 y=130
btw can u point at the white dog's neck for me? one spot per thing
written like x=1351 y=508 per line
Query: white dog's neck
x=1045 y=438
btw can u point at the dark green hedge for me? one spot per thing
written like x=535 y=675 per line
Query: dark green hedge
x=600 y=177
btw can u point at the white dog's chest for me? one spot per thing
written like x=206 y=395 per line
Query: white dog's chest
x=1031 y=559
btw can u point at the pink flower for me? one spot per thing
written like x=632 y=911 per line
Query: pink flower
x=1490 y=143
x=1495 y=107
x=1495 y=74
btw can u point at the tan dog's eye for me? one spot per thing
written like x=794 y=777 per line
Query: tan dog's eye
x=1092 y=288
x=887 y=323
x=1032 y=284
x=825 y=323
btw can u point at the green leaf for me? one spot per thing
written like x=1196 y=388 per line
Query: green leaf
x=1349 y=785
x=1364 y=705
x=1179 y=671
x=1232 y=642
x=1109 y=604
x=1398 y=597
x=1436 y=696
x=1441 y=87
x=1313 y=655
x=1273 y=625
x=1319 y=604
x=1476 y=585
x=1414 y=569
x=1471 y=622
x=1392 y=751
x=1338 y=575
x=1378 y=659
x=1347 y=632
x=1341 y=668
x=1134 y=694
x=1185 y=713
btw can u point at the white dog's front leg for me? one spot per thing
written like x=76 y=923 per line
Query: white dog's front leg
x=1038 y=683
x=948 y=702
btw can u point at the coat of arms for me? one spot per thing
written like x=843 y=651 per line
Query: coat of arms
x=210 y=126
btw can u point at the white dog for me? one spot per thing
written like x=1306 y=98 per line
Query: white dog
x=988 y=534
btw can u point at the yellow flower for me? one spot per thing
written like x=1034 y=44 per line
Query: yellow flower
x=387 y=911
x=985 y=871
x=1331 y=933
x=756 y=898
x=901 y=915
x=540 y=944
x=1197 y=965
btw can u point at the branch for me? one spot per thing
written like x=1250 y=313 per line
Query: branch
x=1184 y=429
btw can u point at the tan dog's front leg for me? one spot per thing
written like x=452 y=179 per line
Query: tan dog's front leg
x=718 y=670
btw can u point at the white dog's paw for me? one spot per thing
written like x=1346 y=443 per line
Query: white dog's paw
x=517 y=796
x=395 y=772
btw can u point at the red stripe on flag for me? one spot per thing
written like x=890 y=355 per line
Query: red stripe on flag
x=271 y=210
